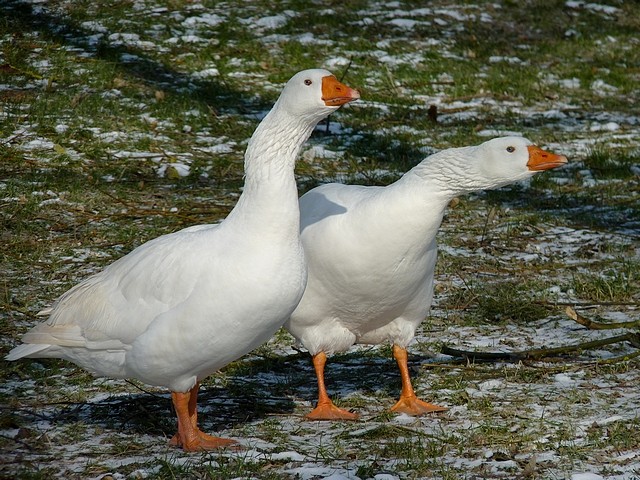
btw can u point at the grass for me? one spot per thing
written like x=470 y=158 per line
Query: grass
x=510 y=302
x=617 y=284
x=607 y=163
x=87 y=124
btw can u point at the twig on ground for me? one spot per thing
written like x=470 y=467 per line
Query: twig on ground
x=621 y=358
x=633 y=338
x=592 y=325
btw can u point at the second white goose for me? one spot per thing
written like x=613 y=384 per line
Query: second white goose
x=371 y=254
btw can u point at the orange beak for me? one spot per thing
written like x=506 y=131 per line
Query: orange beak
x=335 y=93
x=540 y=160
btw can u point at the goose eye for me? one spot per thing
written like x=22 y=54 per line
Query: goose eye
x=308 y=82
x=511 y=149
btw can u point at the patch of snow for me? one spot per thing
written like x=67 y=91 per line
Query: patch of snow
x=38 y=144
x=208 y=19
x=218 y=149
x=608 y=420
x=271 y=22
x=130 y=40
x=206 y=73
x=404 y=419
x=498 y=133
x=586 y=476
x=404 y=23
x=291 y=456
x=187 y=39
x=94 y=26
x=565 y=380
x=570 y=82
x=128 y=154
x=602 y=88
x=491 y=385
x=310 y=38
x=512 y=60
x=334 y=62
x=318 y=151
x=594 y=7
x=609 y=127
x=455 y=14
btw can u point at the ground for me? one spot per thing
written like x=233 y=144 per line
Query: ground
x=124 y=120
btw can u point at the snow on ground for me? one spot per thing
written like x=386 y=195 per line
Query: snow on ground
x=553 y=418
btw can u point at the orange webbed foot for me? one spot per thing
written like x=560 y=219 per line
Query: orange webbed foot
x=189 y=436
x=328 y=411
x=201 y=441
x=412 y=405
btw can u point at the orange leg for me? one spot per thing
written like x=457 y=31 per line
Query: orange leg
x=193 y=414
x=326 y=410
x=409 y=403
x=189 y=436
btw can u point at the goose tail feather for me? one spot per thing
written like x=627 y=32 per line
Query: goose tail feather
x=26 y=350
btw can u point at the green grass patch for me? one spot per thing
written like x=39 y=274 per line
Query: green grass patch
x=616 y=284
x=608 y=163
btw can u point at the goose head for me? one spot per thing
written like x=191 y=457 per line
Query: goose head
x=506 y=160
x=314 y=94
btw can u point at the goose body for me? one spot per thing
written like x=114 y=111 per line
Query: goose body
x=371 y=254
x=183 y=305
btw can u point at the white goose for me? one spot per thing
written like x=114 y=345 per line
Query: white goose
x=371 y=254
x=182 y=306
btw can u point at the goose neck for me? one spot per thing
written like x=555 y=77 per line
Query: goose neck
x=451 y=172
x=270 y=193
x=273 y=148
